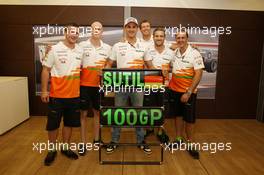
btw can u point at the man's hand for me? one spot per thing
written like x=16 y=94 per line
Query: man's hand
x=44 y=84
x=48 y=48
x=109 y=63
x=185 y=97
x=45 y=97
x=100 y=72
x=195 y=47
x=165 y=73
x=149 y=65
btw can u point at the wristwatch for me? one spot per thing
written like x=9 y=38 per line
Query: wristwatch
x=189 y=92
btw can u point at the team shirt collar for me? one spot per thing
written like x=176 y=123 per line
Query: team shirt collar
x=164 y=50
x=178 y=53
x=101 y=43
x=62 y=45
x=134 y=45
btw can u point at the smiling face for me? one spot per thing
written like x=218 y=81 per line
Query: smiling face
x=159 y=37
x=97 y=30
x=131 y=30
x=71 y=34
x=145 y=29
x=182 y=39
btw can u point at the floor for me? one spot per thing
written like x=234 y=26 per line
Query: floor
x=18 y=155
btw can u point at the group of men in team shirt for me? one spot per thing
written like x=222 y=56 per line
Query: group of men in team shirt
x=74 y=71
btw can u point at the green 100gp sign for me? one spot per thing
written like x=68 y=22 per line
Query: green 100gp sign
x=131 y=116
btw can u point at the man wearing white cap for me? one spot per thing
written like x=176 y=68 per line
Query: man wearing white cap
x=128 y=55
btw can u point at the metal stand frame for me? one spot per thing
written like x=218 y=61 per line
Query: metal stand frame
x=104 y=162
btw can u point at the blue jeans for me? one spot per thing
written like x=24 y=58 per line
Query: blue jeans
x=121 y=99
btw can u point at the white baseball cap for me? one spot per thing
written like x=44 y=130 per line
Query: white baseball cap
x=129 y=20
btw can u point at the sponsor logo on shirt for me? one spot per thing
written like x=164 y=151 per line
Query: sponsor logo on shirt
x=63 y=60
x=103 y=54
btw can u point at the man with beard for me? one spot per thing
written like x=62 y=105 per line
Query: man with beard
x=186 y=74
x=159 y=57
x=63 y=62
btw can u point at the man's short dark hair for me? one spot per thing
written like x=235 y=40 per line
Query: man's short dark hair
x=70 y=25
x=159 y=29
x=144 y=21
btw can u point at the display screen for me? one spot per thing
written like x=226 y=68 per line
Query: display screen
x=131 y=116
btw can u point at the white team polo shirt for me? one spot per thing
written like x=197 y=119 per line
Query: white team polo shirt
x=159 y=60
x=147 y=43
x=183 y=68
x=65 y=66
x=127 y=55
x=94 y=60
